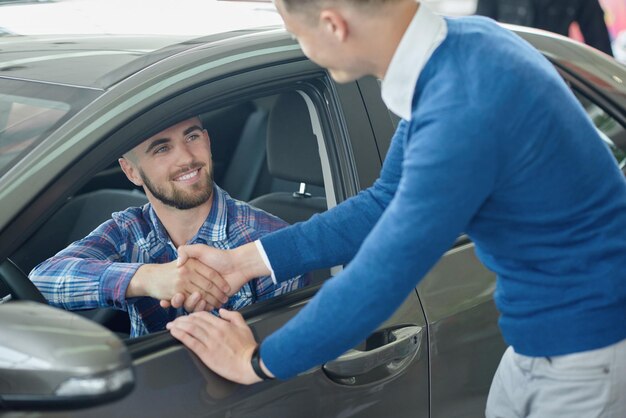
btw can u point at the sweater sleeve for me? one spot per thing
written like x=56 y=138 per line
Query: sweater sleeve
x=333 y=237
x=448 y=171
x=89 y=273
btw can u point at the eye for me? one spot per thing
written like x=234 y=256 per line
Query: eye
x=192 y=137
x=161 y=149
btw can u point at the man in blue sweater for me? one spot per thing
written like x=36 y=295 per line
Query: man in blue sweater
x=492 y=143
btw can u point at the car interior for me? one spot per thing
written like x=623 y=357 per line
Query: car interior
x=265 y=152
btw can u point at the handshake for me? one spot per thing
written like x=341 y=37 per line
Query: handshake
x=203 y=277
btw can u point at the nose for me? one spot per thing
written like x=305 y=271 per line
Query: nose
x=184 y=156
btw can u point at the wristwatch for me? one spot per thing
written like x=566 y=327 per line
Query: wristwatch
x=255 y=360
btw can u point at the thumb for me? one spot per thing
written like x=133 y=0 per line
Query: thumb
x=198 y=251
x=182 y=256
x=233 y=317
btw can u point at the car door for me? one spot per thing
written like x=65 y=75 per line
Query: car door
x=387 y=372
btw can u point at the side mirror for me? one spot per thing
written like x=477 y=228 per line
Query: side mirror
x=53 y=359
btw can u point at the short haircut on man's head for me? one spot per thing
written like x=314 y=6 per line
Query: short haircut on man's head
x=315 y=5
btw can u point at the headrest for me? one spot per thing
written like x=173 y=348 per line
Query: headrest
x=292 y=151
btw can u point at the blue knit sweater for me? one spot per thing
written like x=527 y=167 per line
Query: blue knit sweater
x=499 y=148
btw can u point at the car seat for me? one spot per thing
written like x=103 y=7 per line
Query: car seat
x=248 y=159
x=292 y=155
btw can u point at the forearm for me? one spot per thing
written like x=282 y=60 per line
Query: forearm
x=323 y=241
x=138 y=285
x=76 y=283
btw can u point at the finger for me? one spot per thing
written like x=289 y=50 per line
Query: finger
x=200 y=325
x=205 y=347
x=200 y=306
x=191 y=301
x=194 y=344
x=209 y=299
x=233 y=317
x=210 y=293
x=212 y=276
x=197 y=304
x=165 y=303
x=191 y=282
x=177 y=300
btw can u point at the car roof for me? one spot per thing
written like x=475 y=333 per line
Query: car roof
x=91 y=61
x=101 y=61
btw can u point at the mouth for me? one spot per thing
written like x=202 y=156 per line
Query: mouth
x=188 y=176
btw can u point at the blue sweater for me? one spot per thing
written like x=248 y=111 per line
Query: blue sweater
x=499 y=148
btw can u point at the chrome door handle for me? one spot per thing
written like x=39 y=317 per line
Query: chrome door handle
x=404 y=344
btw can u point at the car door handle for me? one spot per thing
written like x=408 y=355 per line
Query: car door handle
x=399 y=344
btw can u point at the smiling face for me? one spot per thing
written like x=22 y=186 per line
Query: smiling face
x=173 y=166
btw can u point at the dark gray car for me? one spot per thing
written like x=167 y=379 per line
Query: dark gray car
x=69 y=107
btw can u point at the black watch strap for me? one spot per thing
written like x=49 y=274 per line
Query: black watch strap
x=256 y=364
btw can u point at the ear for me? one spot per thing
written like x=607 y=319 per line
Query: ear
x=131 y=172
x=334 y=24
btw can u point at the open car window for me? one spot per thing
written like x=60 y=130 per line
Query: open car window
x=268 y=151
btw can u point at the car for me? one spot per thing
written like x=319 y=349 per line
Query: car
x=72 y=105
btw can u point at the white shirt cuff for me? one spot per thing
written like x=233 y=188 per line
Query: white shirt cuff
x=266 y=260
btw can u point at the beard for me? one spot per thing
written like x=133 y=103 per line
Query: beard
x=199 y=194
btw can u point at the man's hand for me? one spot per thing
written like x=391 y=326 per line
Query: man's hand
x=223 y=261
x=224 y=345
x=201 y=287
x=236 y=267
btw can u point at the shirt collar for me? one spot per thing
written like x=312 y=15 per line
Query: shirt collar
x=424 y=34
x=214 y=227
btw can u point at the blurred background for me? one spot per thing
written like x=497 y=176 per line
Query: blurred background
x=203 y=17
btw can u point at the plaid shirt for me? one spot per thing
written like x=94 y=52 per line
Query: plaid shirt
x=95 y=271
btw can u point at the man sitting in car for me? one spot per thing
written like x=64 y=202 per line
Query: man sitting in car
x=130 y=261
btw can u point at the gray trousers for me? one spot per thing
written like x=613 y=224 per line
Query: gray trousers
x=587 y=384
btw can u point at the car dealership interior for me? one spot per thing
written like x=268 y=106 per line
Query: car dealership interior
x=312 y=208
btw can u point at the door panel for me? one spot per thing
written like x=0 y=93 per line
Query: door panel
x=173 y=382
x=464 y=339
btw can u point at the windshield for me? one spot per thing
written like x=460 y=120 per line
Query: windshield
x=30 y=111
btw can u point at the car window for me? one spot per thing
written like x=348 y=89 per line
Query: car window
x=611 y=131
x=29 y=111
x=284 y=128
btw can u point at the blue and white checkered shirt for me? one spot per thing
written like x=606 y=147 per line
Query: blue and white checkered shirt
x=95 y=271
